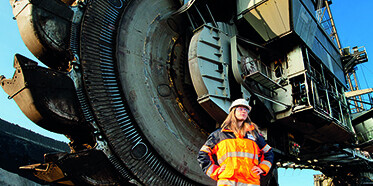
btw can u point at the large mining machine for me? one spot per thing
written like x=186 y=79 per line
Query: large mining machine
x=137 y=86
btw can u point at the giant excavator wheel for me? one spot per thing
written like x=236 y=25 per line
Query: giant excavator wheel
x=133 y=58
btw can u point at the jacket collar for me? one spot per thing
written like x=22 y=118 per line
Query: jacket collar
x=226 y=130
x=248 y=135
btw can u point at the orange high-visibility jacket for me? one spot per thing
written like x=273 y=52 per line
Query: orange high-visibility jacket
x=239 y=154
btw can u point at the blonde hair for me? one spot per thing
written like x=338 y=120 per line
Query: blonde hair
x=231 y=123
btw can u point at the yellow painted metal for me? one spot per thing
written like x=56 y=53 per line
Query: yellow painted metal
x=270 y=19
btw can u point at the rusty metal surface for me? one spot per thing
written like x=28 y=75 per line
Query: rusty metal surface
x=47 y=97
x=44 y=26
x=88 y=167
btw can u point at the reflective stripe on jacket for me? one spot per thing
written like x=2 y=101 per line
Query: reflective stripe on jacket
x=239 y=155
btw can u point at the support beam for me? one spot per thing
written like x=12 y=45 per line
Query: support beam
x=358 y=92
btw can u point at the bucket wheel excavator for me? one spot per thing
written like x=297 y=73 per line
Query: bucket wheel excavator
x=137 y=86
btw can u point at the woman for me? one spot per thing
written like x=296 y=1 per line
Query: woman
x=236 y=154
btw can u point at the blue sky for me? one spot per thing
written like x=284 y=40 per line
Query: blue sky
x=354 y=24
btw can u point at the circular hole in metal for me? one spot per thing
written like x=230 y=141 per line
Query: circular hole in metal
x=139 y=150
x=116 y=3
x=164 y=90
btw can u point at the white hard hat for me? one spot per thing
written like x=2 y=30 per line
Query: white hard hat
x=240 y=102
